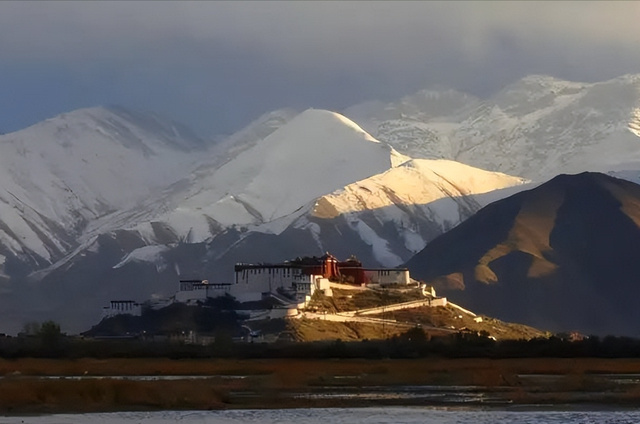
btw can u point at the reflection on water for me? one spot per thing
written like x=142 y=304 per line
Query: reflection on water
x=408 y=415
x=554 y=378
x=433 y=394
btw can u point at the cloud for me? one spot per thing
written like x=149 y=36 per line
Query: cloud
x=347 y=49
x=305 y=29
x=312 y=33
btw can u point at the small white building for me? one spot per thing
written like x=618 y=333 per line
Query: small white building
x=267 y=278
x=387 y=276
x=122 y=307
x=192 y=291
x=297 y=280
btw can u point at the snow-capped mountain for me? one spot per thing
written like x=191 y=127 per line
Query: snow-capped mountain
x=536 y=128
x=398 y=212
x=317 y=167
x=257 y=130
x=63 y=173
x=70 y=179
x=314 y=153
x=416 y=125
x=425 y=105
x=105 y=203
x=383 y=219
x=318 y=182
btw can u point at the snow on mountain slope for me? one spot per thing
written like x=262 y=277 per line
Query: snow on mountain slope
x=263 y=202
x=536 y=128
x=257 y=130
x=246 y=138
x=541 y=127
x=314 y=169
x=97 y=156
x=384 y=219
x=64 y=172
x=123 y=197
x=416 y=182
x=422 y=106
x=313 y=154
x=417 y=124
x=420 y=199
x=100 y=166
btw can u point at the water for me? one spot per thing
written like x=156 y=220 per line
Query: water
x=434 y=394
x=395 y=415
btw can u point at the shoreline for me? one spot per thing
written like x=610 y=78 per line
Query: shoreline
x=520 y=407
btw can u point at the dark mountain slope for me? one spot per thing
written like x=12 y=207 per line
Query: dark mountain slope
x=563 y=256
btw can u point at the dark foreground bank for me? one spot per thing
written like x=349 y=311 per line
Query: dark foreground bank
x=93 y=385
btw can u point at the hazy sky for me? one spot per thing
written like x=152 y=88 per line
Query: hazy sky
x=217 y=65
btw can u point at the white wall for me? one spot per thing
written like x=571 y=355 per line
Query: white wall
x=439 y=301
x=201 y=292
x=387 y=276
x=117 y=308
x=267 y=279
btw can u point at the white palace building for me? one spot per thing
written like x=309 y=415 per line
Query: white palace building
x=292 y=282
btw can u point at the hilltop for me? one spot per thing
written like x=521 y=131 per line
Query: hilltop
x=352 y=313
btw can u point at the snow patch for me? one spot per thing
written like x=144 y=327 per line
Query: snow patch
x=634 y=123
x=151 y=254
x=413 y=241
x=380 y=247
x=423 y=183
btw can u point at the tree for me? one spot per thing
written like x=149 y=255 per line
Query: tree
x=31 y=328
x=50 y=335
x=414 y=335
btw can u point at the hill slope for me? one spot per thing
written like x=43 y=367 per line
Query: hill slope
x=563 y=256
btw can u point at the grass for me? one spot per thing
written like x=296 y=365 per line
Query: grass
x=448 y=317
x=350 y=300
x=43 y=396
x=401 y=369
x=316 y=330
x=272 y=379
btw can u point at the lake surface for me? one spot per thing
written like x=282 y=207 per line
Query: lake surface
x=390 y=415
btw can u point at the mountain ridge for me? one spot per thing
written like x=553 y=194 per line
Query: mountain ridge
x=63 y=173
x=571 y=241
x=535 y=128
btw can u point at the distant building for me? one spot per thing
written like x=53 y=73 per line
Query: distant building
x=302 y=276
x=198 y=290
x=122 y=307
x=350 y=271
x=298 y=278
